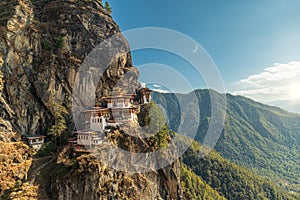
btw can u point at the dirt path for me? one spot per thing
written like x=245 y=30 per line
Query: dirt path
x=33 y=188
x=37 y=165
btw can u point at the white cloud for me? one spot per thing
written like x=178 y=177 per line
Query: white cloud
x=275 y=83
x=160 y=90
x=156 y=85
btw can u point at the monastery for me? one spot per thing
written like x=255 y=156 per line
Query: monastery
x=35 y=141
x=114 y=110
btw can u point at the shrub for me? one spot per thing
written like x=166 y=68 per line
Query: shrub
x=107 y=7
x=46 y=44
x=59 y=42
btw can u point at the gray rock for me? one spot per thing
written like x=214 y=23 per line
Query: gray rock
x=42 y=48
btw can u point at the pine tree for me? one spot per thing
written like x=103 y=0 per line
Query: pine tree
x=60 y=126
x=107 y=7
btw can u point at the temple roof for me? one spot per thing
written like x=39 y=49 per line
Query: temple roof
x=31 y=137
x=85 y=132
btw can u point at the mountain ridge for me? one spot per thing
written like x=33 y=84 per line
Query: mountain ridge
x=261 y=137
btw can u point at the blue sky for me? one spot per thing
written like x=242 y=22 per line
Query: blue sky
x=242 y=37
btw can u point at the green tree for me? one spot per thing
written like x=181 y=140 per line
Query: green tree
x=58 y=111
x=107 y=7
x=153 y=121
x=152 y=118
x=160 y=139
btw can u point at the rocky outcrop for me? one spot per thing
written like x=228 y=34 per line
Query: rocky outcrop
x=43 y=44
x=93 y=180
x=88 y=176
x=64 y=51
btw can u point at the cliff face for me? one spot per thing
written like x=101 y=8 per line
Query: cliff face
x=87 y=178
x=44 y=44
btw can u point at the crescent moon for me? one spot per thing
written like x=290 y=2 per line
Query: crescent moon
x=196 y=49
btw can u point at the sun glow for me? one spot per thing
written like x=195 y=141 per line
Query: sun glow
x=294 y=91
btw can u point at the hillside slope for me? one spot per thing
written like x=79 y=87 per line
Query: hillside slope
x=263 y=138
x=195 y=188
x=231 y=180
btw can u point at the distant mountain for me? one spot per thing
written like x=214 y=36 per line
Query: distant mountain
x=292 y=106
x=263 y=138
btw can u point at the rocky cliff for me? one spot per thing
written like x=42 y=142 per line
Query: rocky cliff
x=45 y=45
x=42 y=46
x=78 y=174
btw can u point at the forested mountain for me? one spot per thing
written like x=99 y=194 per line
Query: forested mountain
x=195 y=188
x=263 y=138
x=228 y=179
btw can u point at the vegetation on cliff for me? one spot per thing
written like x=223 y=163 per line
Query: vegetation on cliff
x=15 y=162
x=60 y=126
